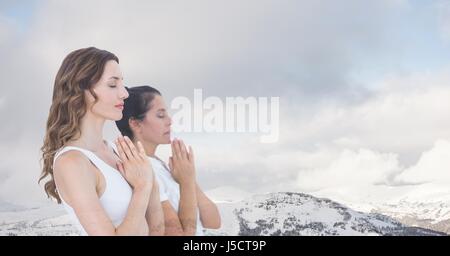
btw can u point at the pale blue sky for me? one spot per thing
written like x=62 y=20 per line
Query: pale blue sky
x=415 y=28
x=20 y=12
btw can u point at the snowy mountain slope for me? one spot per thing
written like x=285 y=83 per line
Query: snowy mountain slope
x=46 y=220
x=424 y=205
x=302 y=214
x=430 y=215
x=9 y=207
x=267 y=214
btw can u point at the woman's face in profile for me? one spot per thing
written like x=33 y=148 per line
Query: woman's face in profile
x=110 y=92
x=155 y=127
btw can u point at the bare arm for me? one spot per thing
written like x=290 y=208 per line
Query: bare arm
x=155 y=214
x=187 y=209
x=209 y=213
x=136 y=169
x=135 y=219
x=77 y=186
x=183 y=222
x=183 y=171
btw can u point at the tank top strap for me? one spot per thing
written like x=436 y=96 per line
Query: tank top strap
x=90 y=155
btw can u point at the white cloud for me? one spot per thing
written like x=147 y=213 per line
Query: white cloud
x=364 y=177
x=180 y=45
x=5 y=30
x=235 y=48
x=2 y=102
x=349 y=150
x=351 y=168
x=432 y=167
x=406 y=115
x=20 y=171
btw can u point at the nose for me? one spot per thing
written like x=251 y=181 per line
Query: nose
x=170 y=121
x=123 y=93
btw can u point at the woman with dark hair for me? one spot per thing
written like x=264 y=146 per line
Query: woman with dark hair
x=187 y=210
x=106 y=192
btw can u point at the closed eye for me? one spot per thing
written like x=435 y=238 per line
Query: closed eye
x=161 y=113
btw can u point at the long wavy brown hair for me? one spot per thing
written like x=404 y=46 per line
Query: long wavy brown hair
x=79 y=71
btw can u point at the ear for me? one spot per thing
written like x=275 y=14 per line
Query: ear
x=135 y=125
x=88 y=96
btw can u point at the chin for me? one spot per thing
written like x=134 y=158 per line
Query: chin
x=117 y=117
x=165 y=141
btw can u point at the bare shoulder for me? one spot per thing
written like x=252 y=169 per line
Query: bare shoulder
x=70 y=163
x=73 y=176
x=76 y=183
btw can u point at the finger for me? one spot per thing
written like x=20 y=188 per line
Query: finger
x=177 y=149
x=172 y=145
x=183 y=150
x=126 y=149
x=133 y=149
x=141 y=149
x=191 y=154
x=122 y=155
x=120 y=168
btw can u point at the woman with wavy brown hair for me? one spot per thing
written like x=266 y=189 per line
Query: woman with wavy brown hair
x=107 y=192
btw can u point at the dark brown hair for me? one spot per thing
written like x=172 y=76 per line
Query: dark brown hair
x=136 y=106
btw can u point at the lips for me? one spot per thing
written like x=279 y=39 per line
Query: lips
x=120 y=106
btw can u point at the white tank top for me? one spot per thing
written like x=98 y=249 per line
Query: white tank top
x=117 y=195
x=169 y=188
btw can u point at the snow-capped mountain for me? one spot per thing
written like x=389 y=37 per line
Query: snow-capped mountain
x=267 y=214
x=429 y=215
x=424 y=205
x=9 y=207
x=302 y=214
x=39 y=221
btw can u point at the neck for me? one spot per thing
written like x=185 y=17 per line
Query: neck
x=149 y=147
x=91 y=133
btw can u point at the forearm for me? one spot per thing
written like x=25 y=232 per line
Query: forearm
x=188 y=209
x=135 y=222
x=209 y=213
x=155 y=215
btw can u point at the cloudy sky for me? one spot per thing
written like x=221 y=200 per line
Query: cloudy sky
x=364 y=87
